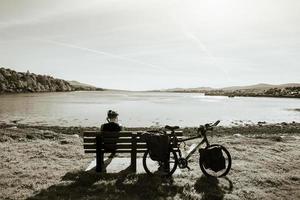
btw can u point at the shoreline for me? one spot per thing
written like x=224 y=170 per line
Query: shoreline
x=243 y=128
x=229 y=95
x=193 y=92
x=262 y=96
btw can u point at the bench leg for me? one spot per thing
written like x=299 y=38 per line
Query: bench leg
x=133 y=161
x=99 y=154
x=133 y=153
x=99 y=162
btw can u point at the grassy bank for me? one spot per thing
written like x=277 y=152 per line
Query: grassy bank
x=49 y=163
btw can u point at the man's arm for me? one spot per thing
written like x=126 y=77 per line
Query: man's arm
x=102 y=127
x=120 y=128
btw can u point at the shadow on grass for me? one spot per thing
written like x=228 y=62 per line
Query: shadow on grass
x=122 y=185
x=210 y=188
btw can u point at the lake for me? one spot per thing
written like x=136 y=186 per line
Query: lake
x=143 y=108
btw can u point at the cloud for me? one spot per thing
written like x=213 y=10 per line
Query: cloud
x=103 y=53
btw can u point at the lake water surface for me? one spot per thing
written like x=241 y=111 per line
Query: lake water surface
x=143 y=108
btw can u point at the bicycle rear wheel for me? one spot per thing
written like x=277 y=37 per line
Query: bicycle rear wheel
x=159 y=168
x=210 y=173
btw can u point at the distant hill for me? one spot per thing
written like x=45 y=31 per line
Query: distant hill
x=82 y=86
x=76 y=83
x=22 y=82
x=260 y=86
x=259 y=90
x=291 y=90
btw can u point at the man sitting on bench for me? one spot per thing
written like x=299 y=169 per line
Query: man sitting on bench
x=111 y=126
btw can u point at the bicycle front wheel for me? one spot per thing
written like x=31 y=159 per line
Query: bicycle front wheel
x=160 y=168
x=210 y=173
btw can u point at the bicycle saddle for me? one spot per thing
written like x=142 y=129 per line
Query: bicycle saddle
x=171 y=128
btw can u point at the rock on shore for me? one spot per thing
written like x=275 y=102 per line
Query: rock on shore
x=19 y=82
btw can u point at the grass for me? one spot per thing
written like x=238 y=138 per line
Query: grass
x=38 y=167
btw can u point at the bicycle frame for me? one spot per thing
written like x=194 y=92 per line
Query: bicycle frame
x=204 y=140
x=178 y=141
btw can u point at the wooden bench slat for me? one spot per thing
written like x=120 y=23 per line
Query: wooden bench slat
x=115 y=143
x=108 y=140
x=121 y=140
x=94 y=133
x=118 y=146
x=122 y=133
x=120 y=151
x=118 y=140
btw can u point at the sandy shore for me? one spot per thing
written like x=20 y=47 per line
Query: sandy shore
x=48 y=163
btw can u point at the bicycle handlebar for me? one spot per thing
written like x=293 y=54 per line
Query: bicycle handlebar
x=216 y=123
x=207 y=127
x=201 y=130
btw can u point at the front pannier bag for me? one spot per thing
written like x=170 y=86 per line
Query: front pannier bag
x=158 y=146
x=213 y=159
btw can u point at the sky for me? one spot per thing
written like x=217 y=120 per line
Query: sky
x=142 y=45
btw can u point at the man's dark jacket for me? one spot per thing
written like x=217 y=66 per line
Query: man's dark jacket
x=114 y=128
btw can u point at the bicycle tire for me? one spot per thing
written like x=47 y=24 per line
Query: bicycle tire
x=146 y=159
x=211 y=174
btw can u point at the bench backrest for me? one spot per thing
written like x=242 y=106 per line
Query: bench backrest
x=123 y=142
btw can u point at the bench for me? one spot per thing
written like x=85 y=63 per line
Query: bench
x=124 y=142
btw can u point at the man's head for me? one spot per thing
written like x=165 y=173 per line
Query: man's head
x=112 y=116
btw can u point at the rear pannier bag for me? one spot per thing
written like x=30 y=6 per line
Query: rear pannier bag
x=213 y=159
x=158 y=146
